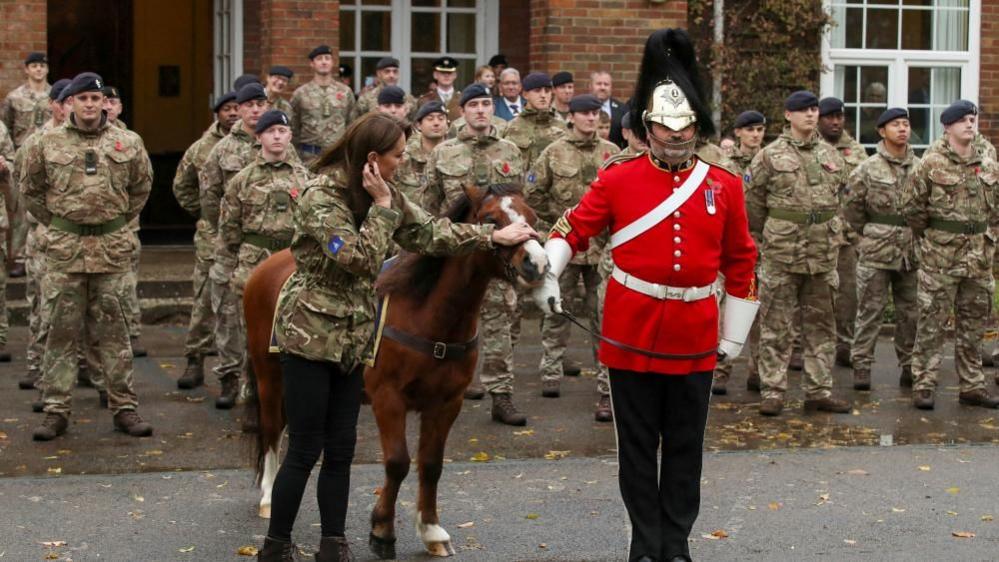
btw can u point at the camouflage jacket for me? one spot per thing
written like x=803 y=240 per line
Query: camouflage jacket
x=326 y=310
x=712 y=153
x=411 y=176
x=257 y=202
x=792 y=199
x=983 y=145
x=532 y=131
x=469 y=160
x=23 y=111
x=961 y=191
x=873 y=206
x=7 y=152
x=741 y=159
x=852 y=152
x=558 y=179
x=186 y=187
x=231 y=154
x=320 y=113
x=19 y=156
x=458 y=125
x=282 y=104
x=368 y=101
x=56 y=184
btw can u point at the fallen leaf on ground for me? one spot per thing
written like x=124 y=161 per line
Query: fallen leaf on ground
x=951 y=513
x=53 y=544
x=481 y=456
x=52 y=556
x=194 y=399
x=377 y=491
x=247 y=551
x=953 y=490
x=774 y=506
x=963 y=534
x=3 y=436
x=525 y=432
x=850 y=541
x=153 y=453
x=556 y=455
x=986 y=518
x=186 y=549
x=55 y=470
x=542 y=545
x=473 y=440
x=858 y=472
x=897 y=510
x=925 y=468
x=720 y=533
x=138 y=498
x=467 y=525
x=823 y=498
x=531 y=516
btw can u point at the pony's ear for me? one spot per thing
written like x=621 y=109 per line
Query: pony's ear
x=475 y=195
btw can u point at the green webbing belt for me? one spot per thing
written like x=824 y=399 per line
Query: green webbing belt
x=891 y=220
x=802 y=217
x=112 y=225
x=959 y=227
x=266 y=242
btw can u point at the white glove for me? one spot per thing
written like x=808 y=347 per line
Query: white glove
x=738 y=317
x=548 y=296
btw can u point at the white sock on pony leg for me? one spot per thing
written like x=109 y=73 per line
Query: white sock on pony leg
x=430 y=532
x=267 y=481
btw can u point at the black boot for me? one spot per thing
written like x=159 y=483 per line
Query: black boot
x=136 y=350
x=27 y=382
x=194 y=374
x=334 y=549
x=230 y=390
x=276 y=551
x=83 y=376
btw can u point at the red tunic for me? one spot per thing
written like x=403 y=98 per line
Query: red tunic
x=687 y=249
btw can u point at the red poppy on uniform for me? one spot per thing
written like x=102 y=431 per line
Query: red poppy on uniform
x=339 y=95
x=294 y=193
x=118 y=146
x=606 y=155
x=846 y=152
x=506 y=167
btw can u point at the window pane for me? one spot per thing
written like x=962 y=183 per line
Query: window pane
x=917 y=2
x=426 y=33
x=882 y=29
x=846 y=83
x=466 y=72
x=423 y=73
x=838 y=31
x=377 y=2
x=920 y=120
x=952 y=28
x=946 y=85
x=854 y=28
x=919 y=86
x=461 y=33
x=347 y=2
x=461 y=3
x=917 y=29
x=347 y=36
x=426 y=3
x=365 y=76
x=376 y=31
x=850 y=114
x=873 y=84
x=868 y=117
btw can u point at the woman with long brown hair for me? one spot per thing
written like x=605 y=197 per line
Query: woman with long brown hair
x=345 y=220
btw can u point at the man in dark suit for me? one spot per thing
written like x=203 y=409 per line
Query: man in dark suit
x=509 y=103
x=601 y=86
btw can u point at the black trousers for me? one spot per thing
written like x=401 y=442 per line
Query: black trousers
x=322 y=404
x=662 y=501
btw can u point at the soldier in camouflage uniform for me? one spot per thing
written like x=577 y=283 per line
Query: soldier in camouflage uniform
x=86 y=180
x=951 y=204
x=321 y=109
x=392 y=101
x=477 y=157
x=633 y=144
x=200 y=339
x=537 y=125
x=556 y=181
x=983 y=145
x=563 y=90
x=8 y=204
x=386 y=74
x=458 y=124
x=278 y=78
x=886 y=252
x=792 y=198
x=431 y=127
x=233 y=153
x=749 y=128
x=113 y=107
x=26 y=107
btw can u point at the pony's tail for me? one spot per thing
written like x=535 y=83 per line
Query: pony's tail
x=252 y=413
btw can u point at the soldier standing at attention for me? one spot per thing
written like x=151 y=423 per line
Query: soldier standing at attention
x=556 y=181
x=113 y=106
x=792 y=198
x=886 y=253
x=635 y=145
x=478 y=157
x=392 y=101
x=233 y=153
x=26 y=107
x=386 y=74
x=278 y=79
x=749 y=128
x=564 y=89
x=831 y=121
x=950 y=203
x=430 y=128
x=537 y=125
x=200 y=339
x=86 y=180
x=321 y=108
x=8 y=209
x=445 y=74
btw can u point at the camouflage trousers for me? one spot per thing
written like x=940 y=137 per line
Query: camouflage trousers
x=93 y=304
x=200 y=339
x=874 y=288
x=555 y=329
x=971 y=301
x=785 y=297
x=846 y=297
x=4 y=322
x=38 y=327
x=500 y=334
x=230 y=329
x=133 y=309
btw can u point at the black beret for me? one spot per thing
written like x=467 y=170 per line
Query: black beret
x=320 y=50
x=391 y=94
x=250 y=92
x=446 y=64
x=536 y=80
x=387 y=62
x=584 y=102
x=473 y=91
x=830 y=105
x=57 y=88
x=561 y=78
x=83 y=82
x=345 y=70
x=430 y=107
x=957 y=110
x=281 y=71
x=223 y=99
x=111 y=92
x=747 y=118
x=802 y=99
x=626 y=121
x=892 y=114
x=243 y=80
x=35 y=57
x=497 y=60
x=271 y=118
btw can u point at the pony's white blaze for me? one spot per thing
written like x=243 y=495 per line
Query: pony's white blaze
x=267 y=481
x=506 y=203
x=430 y=532
x=534 y=250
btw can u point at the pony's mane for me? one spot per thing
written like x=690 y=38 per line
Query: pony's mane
x=418 y=274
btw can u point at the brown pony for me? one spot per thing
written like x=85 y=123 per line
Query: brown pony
x=433 y=312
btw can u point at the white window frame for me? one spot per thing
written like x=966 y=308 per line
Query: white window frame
x=227 y=29
x=899 y=61
x=486 y=37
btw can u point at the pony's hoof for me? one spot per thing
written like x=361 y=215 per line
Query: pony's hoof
x=441 y=549
x=264 y=512
x=384 y=549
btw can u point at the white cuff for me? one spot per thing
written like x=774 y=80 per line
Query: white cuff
x=737 y=319
x=559 y=253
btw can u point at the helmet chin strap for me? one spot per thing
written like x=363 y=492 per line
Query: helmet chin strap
x=681 y=151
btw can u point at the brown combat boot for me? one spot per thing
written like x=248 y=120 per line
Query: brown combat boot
x=980 y=397
x=771 y=407
x=52 y=426
x=861 y=379
x=230 y=391
x=102 y=399
x=276 y=551
x=604 y=412
x=334 y=549
x=130 y=422
x=905 y=379
x=38 y=406
x=843 y=357
x=753 y=381
x=828 y=404
x=505 y=412
x=27 y=382
x=551 y=389
x=475 y=392
x=194 y=374
x=923 y=399
x=571 y=368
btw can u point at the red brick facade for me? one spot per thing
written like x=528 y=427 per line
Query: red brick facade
x=289 y=29
x=22 y=30
x=988 y=76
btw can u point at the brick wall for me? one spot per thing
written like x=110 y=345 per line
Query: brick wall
x=514 y=36
x=251 y=37
x=581 y=36
x=290 y=29
x=22 y=30
x=988 y=86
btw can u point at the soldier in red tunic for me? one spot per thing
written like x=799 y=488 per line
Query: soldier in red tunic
x=675 y=222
